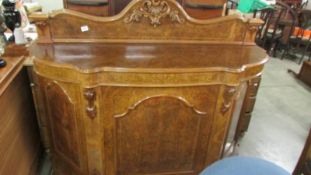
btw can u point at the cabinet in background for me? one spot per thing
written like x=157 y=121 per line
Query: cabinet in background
x=201 y=9
x=92 y=7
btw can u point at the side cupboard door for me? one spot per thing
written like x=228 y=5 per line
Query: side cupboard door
x=60 y=112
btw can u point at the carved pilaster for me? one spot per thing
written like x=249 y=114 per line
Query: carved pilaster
x=228 y=98
x=91 y=109
x=43 y=30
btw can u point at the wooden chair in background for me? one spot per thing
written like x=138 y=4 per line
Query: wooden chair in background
x=300 y=41
x=231 y=5
x=297 y=4
x=293 y=3
x=304 y=164
x=204 y=9
x=278 y=27
x=265 y=15
x=271 y=31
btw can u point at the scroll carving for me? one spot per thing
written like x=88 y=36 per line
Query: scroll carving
x=155 y=10
x=90 y=96
x=228 y=95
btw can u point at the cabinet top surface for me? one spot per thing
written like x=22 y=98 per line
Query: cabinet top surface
x=147 y=36
x=151 y=56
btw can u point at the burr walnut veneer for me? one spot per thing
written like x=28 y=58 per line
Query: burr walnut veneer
x=149 y=91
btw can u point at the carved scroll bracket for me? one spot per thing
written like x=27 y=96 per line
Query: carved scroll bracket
x=228 y=97
x=91 y=109
x=155 y=10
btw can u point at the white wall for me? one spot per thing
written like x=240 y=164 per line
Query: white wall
x=49 y=5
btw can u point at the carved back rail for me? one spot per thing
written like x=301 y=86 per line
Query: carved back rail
x=158 y=21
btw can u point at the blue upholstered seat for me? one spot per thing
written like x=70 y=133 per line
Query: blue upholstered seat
x=244 y=166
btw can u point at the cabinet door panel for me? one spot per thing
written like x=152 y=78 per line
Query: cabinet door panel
x=159 y=130
x=63 y=124
x=159 y=135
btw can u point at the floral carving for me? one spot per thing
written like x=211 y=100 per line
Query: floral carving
x=154 y=10
x=90 y=96
x=228 y=96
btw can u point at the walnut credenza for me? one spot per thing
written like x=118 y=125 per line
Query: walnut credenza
x=149 y=91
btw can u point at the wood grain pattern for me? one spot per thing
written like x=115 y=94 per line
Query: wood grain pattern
x=158 y=122
x=152 y=96
x=171 y=131
x=20 y=147
x=63 y=124
x=62 y=121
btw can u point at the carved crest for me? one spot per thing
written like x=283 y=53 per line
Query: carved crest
x=154 y=10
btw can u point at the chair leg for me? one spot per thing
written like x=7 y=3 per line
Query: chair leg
x=302 y=56
x=276 y=47
x=271 y=52
x=286 y=50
